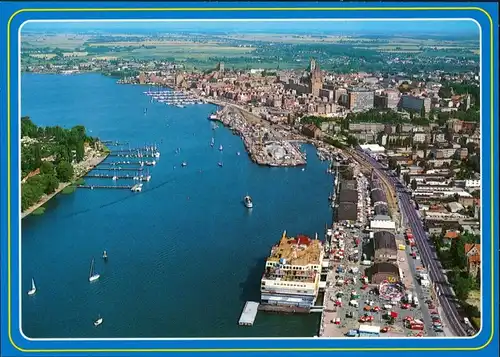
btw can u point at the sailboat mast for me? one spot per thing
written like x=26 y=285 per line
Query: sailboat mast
x=91 y=268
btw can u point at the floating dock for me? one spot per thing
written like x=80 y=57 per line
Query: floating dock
x=249 y=313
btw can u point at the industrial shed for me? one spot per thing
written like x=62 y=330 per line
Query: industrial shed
x=381 y=209
x=384 y=271
x=385 y=246
x=350 y=196
x=347 y=211
x=349 y=185
x=377 y=195
x=377 y=184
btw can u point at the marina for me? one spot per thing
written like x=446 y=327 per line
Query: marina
x=174 y=98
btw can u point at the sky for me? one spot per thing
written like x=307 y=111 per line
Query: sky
x=387 y=27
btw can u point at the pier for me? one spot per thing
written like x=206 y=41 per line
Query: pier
x=129 y=177
x=140 y=163
x=91 y=187
x=249 y=313
x=114 y=143
x=119 y=169
x=113 y=154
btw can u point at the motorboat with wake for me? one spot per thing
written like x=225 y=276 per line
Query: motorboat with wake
x=247 y=201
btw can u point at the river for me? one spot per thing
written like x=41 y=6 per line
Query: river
x=185 y=254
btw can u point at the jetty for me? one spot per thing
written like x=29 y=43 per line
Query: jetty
x=132 y=155
x=140 y=163
x=114 y=143
x=129 y=177
x=249 y=313
x=91 y=187
x=119 y=169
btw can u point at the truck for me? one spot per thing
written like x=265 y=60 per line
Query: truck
x=415 y=301
x=409 y=297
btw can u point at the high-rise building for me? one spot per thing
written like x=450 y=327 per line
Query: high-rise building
x=360 y=99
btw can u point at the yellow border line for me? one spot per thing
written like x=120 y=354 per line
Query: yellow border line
x=492 y=163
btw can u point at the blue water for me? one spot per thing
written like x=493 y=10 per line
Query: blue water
x=185 y=254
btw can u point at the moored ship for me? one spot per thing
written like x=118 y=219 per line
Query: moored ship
x=290 y=282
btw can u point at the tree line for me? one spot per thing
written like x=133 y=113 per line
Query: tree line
x=51 y=150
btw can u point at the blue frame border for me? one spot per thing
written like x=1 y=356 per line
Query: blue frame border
x=14 y=14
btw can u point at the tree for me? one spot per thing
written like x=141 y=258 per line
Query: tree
x=64 y=171
x=47 y=168
x=463 y=285
x=52 y=183
x=413 y=184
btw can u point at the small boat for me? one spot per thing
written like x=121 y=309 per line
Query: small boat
x=93 y=276
x=32 y=291
x=105 y=255
x=98 y=321
x=220 y=164
x=238 y=153
x=212 y=142
x=303 y=169
x=145 y=110
x=221 y=148
x=247 y=201
x=184 y=164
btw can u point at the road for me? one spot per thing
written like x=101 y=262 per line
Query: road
x=438 y=277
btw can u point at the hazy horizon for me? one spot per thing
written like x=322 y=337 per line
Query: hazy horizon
x=408 y=27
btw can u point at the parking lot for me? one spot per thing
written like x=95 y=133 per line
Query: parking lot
x=352 y=300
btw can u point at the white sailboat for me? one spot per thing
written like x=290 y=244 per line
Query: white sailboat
x=221 y=147
x=98 y=321
x=93 y=276
x=33 y=288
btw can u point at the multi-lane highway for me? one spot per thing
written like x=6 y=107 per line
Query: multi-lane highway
x=437 y=275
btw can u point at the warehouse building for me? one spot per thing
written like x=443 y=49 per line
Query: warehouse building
x=350 y=196
x=385 y=246
x=349 y=185
x=384 y=271
x=347 y=212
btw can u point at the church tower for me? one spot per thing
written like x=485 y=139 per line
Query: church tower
x=315 y=78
